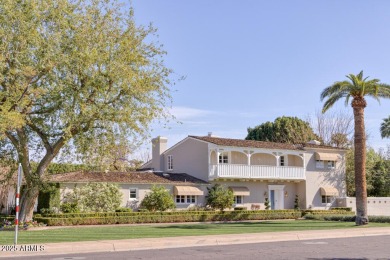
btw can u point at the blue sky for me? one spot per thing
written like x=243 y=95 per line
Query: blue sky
x=248 y=62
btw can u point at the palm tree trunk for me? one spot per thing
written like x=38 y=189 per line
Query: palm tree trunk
x=358 y=105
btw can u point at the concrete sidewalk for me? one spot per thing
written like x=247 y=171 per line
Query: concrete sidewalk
x=190 y=241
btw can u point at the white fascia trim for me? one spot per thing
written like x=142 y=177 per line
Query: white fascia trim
x=256 y=150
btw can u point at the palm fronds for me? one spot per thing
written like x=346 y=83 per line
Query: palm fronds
x=385 y=127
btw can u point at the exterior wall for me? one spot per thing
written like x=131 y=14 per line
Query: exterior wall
x=142 y=191
x=238 y=158
x=191 y=157
x=317 y=178
x=376 y=206
x=294 y=160
x=259 y=191
x=263 y=159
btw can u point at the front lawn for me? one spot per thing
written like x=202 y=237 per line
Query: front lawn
x=80 y=233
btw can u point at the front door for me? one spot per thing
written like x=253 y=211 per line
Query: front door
x=276 y=196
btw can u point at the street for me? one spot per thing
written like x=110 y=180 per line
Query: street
x=369 y=247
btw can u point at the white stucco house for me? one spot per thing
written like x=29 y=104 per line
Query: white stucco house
x=257 y=170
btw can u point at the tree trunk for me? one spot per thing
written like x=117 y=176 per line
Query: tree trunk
x=358 y=105
x=29 y=197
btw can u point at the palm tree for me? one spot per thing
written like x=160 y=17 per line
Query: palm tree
x=357 y=87
x=385 y=127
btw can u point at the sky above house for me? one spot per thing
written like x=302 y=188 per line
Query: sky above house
x=248 y=62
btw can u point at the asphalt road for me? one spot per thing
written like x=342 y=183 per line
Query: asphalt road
x=372 y=247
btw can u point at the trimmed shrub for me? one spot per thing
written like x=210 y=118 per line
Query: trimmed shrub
x=164 y=217
x=327 y=212
x=69 y=207
x=124 y=210
x=342 y=208
x=219 y=197
x=159 y=199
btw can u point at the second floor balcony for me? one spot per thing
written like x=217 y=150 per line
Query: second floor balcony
x=260 y=165
x=259 y=172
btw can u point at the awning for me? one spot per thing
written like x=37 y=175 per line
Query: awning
x=326 y=156
x=187 y=190
x=240 y=191
x=329 y=191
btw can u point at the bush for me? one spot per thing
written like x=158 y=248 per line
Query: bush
x=327 y=212
x=159 y=199
x=49 y=210
x=69 y=207
x=96 y=197
x=219 y=197
x=342 y=208
x=123 y=210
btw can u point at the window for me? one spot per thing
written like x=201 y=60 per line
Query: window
x=191 y=199
x=238 y=199
x=223 y=158
x=319 y=164
x=181 y=199
x=133 y=193
x=170 y=162
x=281 y=160
x=327 y=199
x=331 y=164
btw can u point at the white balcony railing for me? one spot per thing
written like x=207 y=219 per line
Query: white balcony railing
x=256 y=172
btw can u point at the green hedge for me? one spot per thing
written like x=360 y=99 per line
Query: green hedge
x=327 y=212
x=164 y=217
x=348 y=218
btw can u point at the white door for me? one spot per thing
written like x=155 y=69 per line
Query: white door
x=276 y=193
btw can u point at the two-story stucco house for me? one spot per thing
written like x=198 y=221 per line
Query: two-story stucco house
x=257 y=170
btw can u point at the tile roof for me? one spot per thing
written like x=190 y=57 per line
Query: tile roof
x=258 y=144
x=126 y=177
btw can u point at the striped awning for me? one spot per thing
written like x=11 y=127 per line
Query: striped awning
x=329 y=191
x=240 y=191
x=326 y=156
x=187 y=190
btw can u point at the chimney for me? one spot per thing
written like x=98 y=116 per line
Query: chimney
x=159 y=145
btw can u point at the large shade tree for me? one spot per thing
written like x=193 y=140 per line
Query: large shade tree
x=76 y=74
x=284 y=129
x=385 y=128
x=357 y=87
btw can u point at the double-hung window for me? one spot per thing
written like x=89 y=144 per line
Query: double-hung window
x=170 y=162
x=327 y=199
x=238 y=200
x=331 y=164
x=133 y=194
x=320 y=164
x=282 y=162
x=224 y=158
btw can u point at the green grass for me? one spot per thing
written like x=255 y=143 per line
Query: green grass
x=80 y=233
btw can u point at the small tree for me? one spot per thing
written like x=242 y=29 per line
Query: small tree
x=266 y=204
x=219 y=197
x=296 y=203
x=159 y=199
x=95 y=197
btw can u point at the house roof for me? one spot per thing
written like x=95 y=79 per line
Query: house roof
x=258 y=144
x=126 y=177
